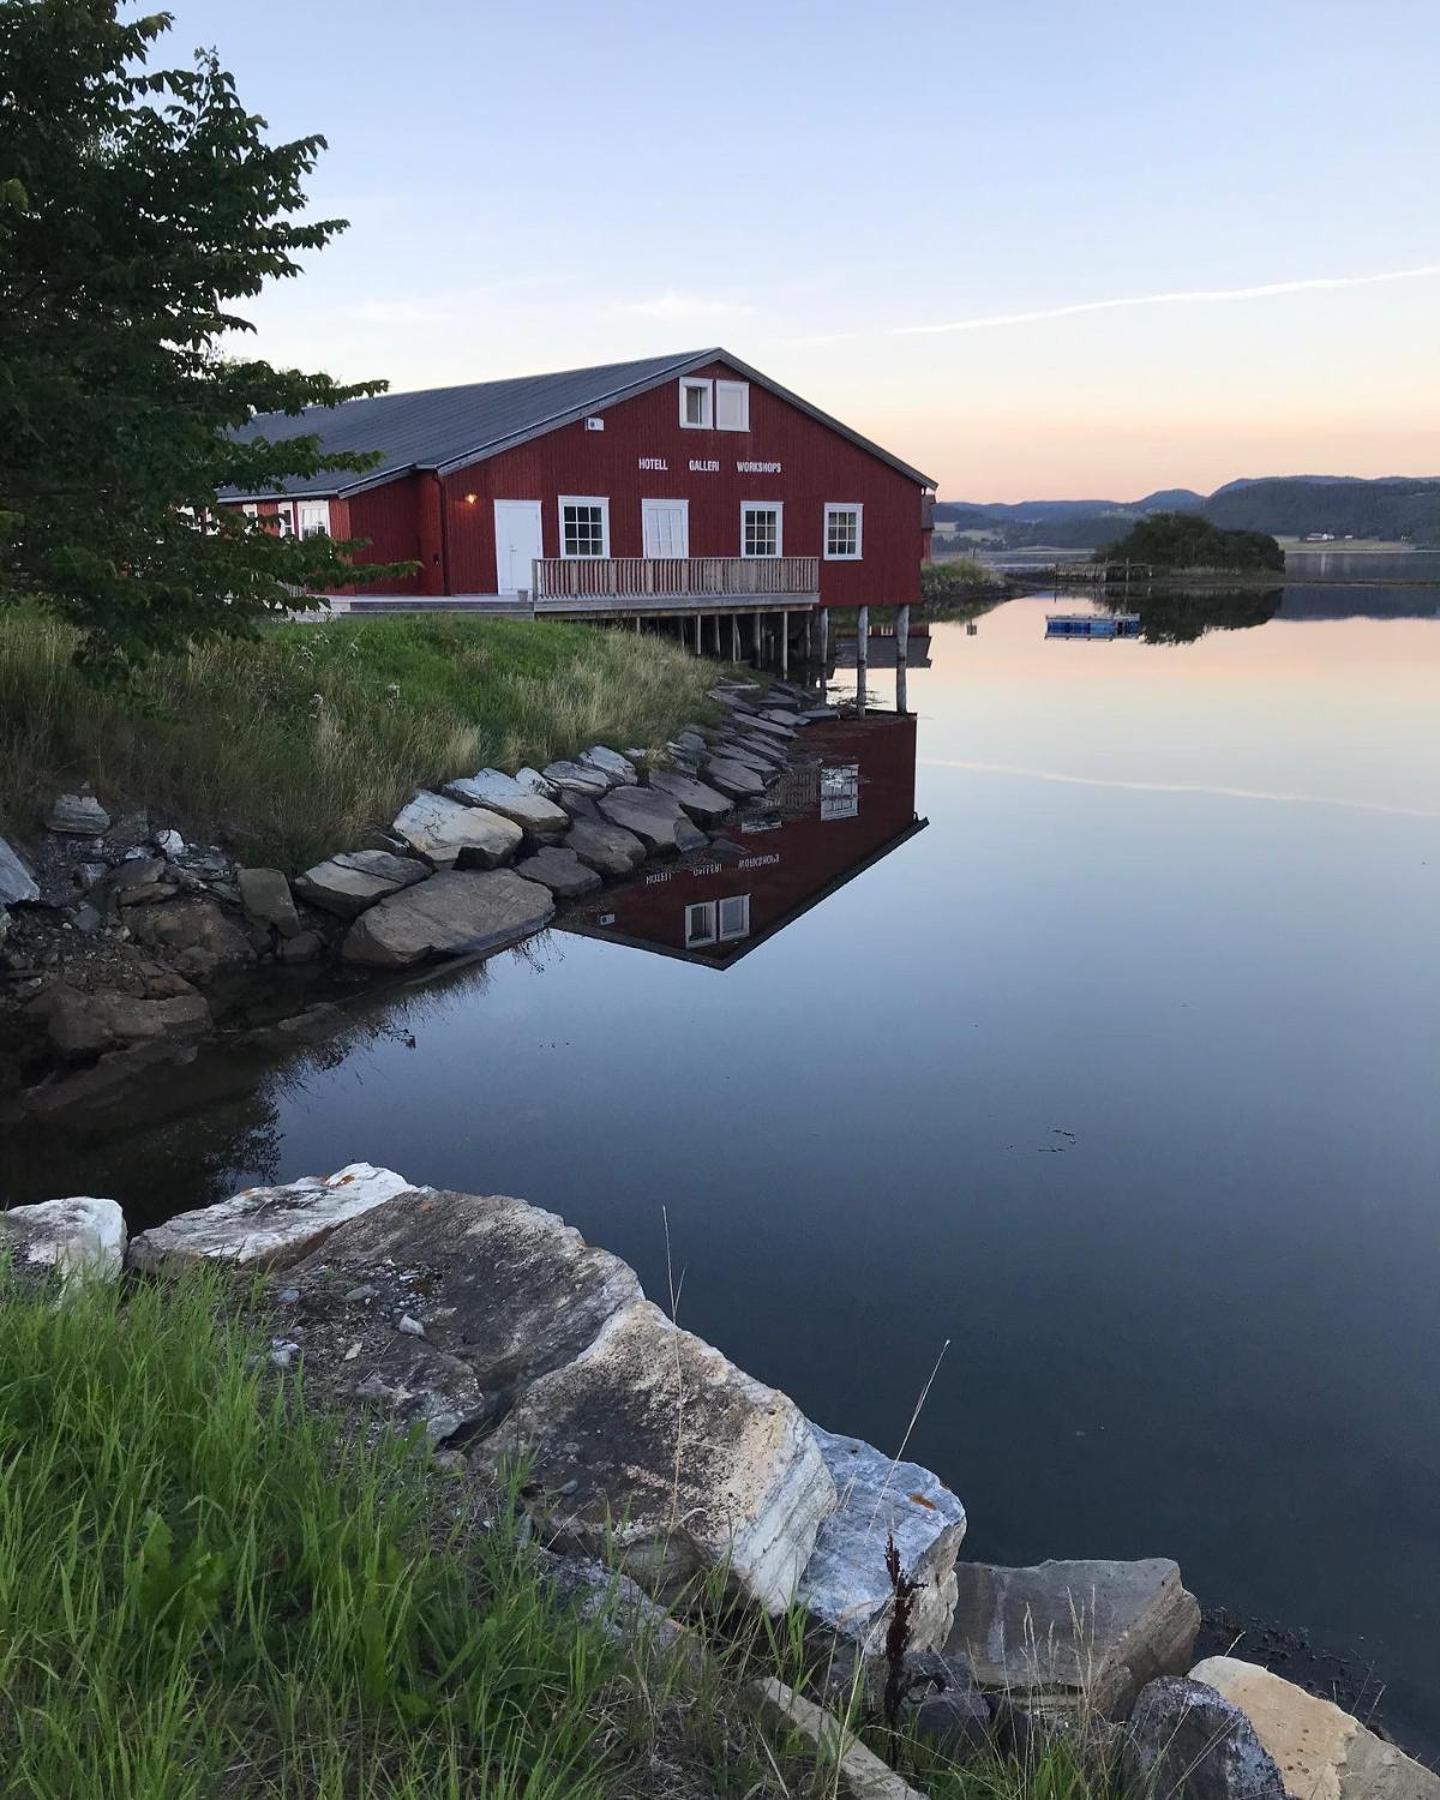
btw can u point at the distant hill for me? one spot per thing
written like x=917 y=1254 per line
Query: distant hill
x=1286 y=506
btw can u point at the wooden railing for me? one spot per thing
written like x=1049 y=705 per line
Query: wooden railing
x=673 y=577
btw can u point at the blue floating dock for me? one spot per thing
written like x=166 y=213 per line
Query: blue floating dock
x=1086 y=625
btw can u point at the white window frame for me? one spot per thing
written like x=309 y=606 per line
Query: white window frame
x=313 y=529
x=843 y=506
x=705 y=385
x=778 y=508
x=695 y=940
x=284 y=517
x=250 y=509
x=742 y=388
x=659 y=500
x=733 y=933
x=600 y=500
x=840 y=791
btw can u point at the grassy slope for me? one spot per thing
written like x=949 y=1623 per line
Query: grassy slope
x=207 y=1591
x=295 y=745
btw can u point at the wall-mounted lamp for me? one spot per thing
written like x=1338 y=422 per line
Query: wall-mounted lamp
x=470 y=499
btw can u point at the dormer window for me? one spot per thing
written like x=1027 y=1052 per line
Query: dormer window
x=732 y=405
x=697 y=404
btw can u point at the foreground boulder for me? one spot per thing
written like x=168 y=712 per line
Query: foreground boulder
x=739 y=780
x=845 y=1584
x=615 y=767
x=502 y=1292
x=356 y=879
x=447 y=833
x=1186 y=1742
x=267 y=1228
x=76 y=1240
x=1322 y=1752
x=463 y=913
x=703 y=803
x=265 y=895
x=81 y=1024
x=78 y=815
x=1074 y=1635
x=652 y=1442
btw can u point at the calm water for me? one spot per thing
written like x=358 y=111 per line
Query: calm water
x=1119 y=1077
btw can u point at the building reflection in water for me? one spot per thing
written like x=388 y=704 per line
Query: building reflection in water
x=848 y=805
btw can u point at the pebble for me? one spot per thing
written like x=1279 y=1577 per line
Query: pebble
x=289 y=1296
x=363 y=1292
x=353 y=1351
x=411 y=1326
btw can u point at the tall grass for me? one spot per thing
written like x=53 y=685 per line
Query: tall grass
x=206 y=1590
x=299 y=743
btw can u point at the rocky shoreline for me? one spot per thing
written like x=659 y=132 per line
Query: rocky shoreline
x=498 y=1332
x=123 y=947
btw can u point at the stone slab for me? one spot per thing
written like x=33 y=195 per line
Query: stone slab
x=649 y=814
x=586 y=777
x=1322 y=1752
x=536 y=816
x=706 y=805
x=611 y=764
x=651 y=1441
x=847 y=1768
x=77 y=1239
x=845 y=1585
x=503 y=1293
x=738 y=780
x=608 y=848
x=1074 y=1633
x=560 y=870
x=347 y=884
x=267 y=1228
x=17 y=884
x=461 y=913
x=77 y=815
x=449 y=834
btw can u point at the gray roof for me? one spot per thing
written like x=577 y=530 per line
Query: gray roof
x=447 y=428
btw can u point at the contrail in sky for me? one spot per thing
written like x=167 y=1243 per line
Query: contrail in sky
x=1181 y=297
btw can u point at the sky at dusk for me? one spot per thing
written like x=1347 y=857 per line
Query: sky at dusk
x=1037 y=249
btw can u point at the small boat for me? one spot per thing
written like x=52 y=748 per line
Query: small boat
x=1091 y=625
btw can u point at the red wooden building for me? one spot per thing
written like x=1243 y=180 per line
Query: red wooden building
x=679 y=484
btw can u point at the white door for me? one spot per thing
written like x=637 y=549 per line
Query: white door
x=518 y=543
x=667 y=527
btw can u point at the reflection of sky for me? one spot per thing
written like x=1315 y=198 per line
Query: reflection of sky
x=1345 y=710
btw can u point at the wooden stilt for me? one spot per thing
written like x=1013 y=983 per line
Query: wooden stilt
x=735 y=637
x=902 y=656
x=784 y=644
x=862 y=657
x=759 y=641
x=824 y=642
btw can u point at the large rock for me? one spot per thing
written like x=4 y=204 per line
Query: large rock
x=584 y=777
x=83 y=1024
x=560 y=870
x=349 y=883
x=462 y=913
x=78 y=815
x=268 y=1228
x=17 y=884
x=533 y=782
x=197 y=936
x=77 y=1239
x=503 y=1293
x=1322 y=1752
x=652 y=816
x=446 y=833
x=615 y=767
x=704 y=804
x=845 y=1584
x=1187 y=1743
x=608 y=848
x=652 y=1442
x=265 y=895
x=537 y=817
x=1074 y=1634
x=737 y=779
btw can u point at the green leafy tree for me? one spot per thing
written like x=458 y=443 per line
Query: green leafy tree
x=1181 y=540
x=137 y=207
